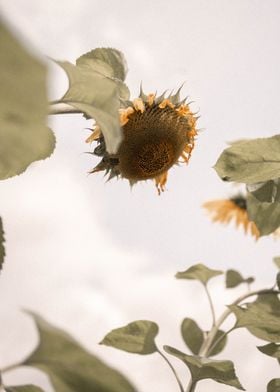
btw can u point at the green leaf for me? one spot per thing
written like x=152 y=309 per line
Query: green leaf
x=234 y=278
x=69 y=366
x=24 y=388
x=24 y=135
x=137 y=337
x=271 y=349
x=276 y=261
x=274 y=385
x=265 y=215
x=112 y=57
x=278 y=280
x=95 y=90
x=252 y=161
x=198 y=272
x=266 y=191
x=261 y=317
x=192 y=335
x=2 y=248
x=203 y=368
x=217 y=348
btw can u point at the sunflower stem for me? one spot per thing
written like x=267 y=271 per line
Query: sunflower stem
x=191 y=387
x=172 y=369
x=57 y=107
x=211 y=305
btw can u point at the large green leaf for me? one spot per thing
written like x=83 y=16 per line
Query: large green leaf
x=23 y=108
x=234 y=279
x=2 y=248
x=95 y=90
x=137 y=337
x=202 y=368
x=271 y=349
x=218 y=344
x=198 y=272
x=23 y=388
x=274 y=385
x=69 y=366
x=265 y=215
x=276 y=261
x=261 y=317
x=251 y=161
x=192 y=335
x=112 y=57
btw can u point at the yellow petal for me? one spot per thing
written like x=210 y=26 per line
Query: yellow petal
x=139 y=105
x=165 y=103
x=161 y=181
x=95 y=135
x=124 y=114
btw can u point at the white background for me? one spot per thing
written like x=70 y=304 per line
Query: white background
x=91 y=256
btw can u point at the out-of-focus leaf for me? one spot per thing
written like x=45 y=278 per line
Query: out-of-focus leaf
x=23 y=388
x=278 y=280
x=137 y=337
x=69 y=366
x=2 y=248
x=274 y=385
x=198 y=272
x=112 y=57
x=202 y=368
x=265 y=215
x=96 y=88
x=218 y=348
x=271 y=349
x=266 y=191
x=192 y=335
x=24 y=136
x=261 y=317
x=234 y=278
x=251 y=161
x=277 y=261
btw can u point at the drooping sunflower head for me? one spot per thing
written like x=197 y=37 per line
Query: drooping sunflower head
x=157 y=133
x=232 y=209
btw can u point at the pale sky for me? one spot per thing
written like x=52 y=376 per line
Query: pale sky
x=91 y=256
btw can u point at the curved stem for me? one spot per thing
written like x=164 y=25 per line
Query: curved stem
x=211 y=305
x=173 y=370
x=62 y=108
x=191 y=386
x=10 y=367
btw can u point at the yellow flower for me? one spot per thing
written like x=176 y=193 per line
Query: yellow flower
x=233 y=209
x=157 y=131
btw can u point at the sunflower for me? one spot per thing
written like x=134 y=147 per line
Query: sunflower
x=158 y=132
x=233 y=209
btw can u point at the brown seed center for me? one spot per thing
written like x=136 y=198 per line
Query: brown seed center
x=154 y=158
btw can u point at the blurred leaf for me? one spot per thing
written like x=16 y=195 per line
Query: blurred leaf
x=137 y=337
x=198 y=272
x=271 y=349
x=277 y=261
x=278 y=280
x=234 y=278
x=261 y=317
x=265 y=215
x=252 y=161
x=202 y=368
x=95 y=90
x=266 y=191
x=112 y=57
x=69 y=366
x=274 y=385
x=192 y=335
x=23 y=108
x=217 y=348
x=23 y=388
x=2 y=248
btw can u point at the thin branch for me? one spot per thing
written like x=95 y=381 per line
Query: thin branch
x=191 y=387
x=173 y=370
x=224 y=316
x=211 y=305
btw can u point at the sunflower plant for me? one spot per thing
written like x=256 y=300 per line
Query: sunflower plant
x=139 y=139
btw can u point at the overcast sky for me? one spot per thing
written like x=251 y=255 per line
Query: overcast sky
x=91 y=256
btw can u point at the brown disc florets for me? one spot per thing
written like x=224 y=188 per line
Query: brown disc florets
x=157 y=133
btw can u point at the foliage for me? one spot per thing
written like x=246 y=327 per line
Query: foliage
x=256 y=163
x=24 y=135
